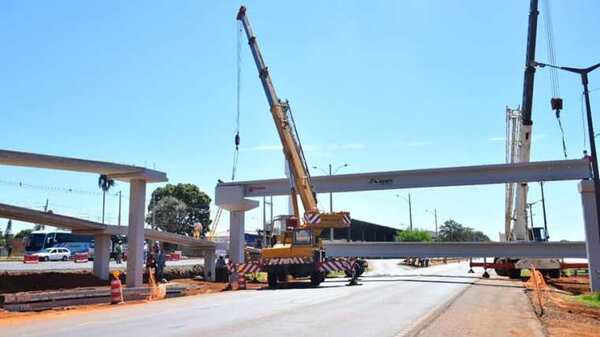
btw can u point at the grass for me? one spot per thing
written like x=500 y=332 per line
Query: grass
x=592 y=299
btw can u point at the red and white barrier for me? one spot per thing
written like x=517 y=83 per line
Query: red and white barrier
x=174 y=256
x=81 y=257
x=30 y=259
x=116 y=291
x=336 y=265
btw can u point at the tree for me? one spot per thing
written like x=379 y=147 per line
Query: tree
x=8 y=233
x=170 y=215
x=23 y=233
x=104 y=183
x=195 y=202
x=454 y=231
x=415 y=235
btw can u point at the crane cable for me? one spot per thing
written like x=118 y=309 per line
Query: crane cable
x=236 y=139
x=553 y=71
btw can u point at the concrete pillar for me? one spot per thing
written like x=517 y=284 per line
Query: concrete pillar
x=135 y=234
x=209 y=265
x=237 y=241
x=592 y=238
x=102 y=256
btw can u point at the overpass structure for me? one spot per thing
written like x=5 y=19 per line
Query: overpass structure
x=136 y=176
x=102 y=248
x=235 y=197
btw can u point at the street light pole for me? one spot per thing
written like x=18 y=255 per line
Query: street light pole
x=546 y=236
x=331 y=201
x=410 y=212
x=583 y=72
x=331 y=172
x=409 y=209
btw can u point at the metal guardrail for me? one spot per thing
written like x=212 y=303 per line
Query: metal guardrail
x=457 y=249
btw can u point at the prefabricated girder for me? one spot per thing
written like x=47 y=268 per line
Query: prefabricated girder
x=577 y=169
x=457 y=249
x=113 y=170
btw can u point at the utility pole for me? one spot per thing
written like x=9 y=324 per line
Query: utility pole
x=410 y=212
x=546 y=236
x=436 y=225
x=435 y=219
x=119 y=216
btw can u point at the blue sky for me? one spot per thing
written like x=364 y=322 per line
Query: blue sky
x=379 y=85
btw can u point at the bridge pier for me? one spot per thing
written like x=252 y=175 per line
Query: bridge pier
x=102 y=256
x=135 y=234
x=592 y=232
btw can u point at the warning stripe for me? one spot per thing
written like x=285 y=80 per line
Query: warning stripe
x=346 y=219
x=336 y=265
x=251 y=267
x=287 y=260
x=312 y=218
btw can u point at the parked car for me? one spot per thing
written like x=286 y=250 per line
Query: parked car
x=53 y=254
x=78 y=247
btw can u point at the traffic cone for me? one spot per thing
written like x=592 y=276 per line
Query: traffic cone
x=116 y=289
x=241 y=281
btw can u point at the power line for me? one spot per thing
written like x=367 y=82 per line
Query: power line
x=69 y=190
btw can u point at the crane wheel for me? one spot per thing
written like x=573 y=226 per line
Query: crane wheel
x=316 y=278
x=514 y=273
x=272 y=280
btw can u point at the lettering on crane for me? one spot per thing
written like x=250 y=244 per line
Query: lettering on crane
x=379 y=181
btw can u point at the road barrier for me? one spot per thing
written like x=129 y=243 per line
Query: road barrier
x=81 y=257
x=30 y=259
x=116 y=290
x=174 y=256
x=241 y=281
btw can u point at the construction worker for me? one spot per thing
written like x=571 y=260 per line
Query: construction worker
x=160 y=263
x=221 y=270
x=151 y=262
x=119 y=252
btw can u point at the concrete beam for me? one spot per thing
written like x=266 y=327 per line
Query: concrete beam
x=592 y=233
x=82 y=226
x=457 y=249
x=115 y=171
x=438 y=177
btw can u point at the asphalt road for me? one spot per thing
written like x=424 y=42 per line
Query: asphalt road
x=382 y=306
x=72 y=266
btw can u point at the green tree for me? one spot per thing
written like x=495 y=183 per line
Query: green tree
x=104 y=183
x=454 y=231
x=415 y=235
x=23 y=233
x=190 y=206
x=170 y=215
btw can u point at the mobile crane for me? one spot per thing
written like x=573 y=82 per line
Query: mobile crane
x=297 y=249
x=518 y=147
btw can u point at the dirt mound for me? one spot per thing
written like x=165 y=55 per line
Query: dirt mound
x=17 y=282
x=562 y=314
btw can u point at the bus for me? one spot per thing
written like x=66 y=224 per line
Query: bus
x=42 y=239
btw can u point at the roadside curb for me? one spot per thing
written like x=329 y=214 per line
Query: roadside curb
x=426 y=320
